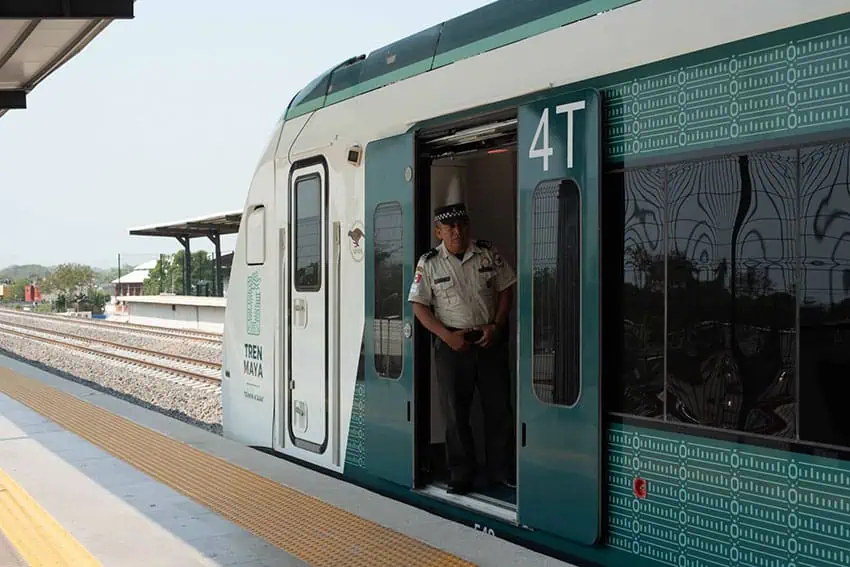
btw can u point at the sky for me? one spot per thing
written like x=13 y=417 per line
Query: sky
x=164 y=117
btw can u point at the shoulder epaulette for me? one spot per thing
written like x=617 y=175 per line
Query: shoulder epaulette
x=483 y=243
x=429 y=254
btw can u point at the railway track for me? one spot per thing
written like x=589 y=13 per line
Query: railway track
x=185 y=368
x=201 y=336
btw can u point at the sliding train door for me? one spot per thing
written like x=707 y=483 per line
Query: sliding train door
x=388 y=335
x=559 y=485
x=309 y=280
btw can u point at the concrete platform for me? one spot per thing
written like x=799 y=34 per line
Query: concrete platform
x=119 y=515
x=176 y=311
x=123 y=516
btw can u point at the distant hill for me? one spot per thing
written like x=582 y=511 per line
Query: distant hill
x=27 y=272
x=37 y=271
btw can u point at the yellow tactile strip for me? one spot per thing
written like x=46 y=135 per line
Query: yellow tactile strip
x=301 y=525
x=37 y=537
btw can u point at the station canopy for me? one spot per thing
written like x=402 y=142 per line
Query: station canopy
x=211 y=226
x=221 y=223
x=39 y=36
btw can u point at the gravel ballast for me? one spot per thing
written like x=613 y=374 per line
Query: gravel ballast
x=199 y=406
x=181 y=346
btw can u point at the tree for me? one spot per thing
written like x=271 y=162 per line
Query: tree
x=167 y=275
x=18 y=289
x=159 y=279
x=69 y=279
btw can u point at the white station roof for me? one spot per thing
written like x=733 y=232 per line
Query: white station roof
x=39 y=36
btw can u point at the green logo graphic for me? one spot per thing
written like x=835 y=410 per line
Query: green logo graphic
x=254 y=303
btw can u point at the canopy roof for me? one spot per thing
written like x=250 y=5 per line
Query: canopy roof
x=220 y=223
x=39 y=36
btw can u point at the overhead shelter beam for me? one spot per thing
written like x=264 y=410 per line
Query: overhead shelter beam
x=71 y=9
x=13 y=99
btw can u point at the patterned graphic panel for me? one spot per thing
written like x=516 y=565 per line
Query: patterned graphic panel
x=715 y=503
x=355 y=454
x=254 y=304
x=793 y=87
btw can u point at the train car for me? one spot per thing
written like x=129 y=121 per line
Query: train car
x=670 y=180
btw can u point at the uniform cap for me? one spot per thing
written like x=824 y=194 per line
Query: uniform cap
x=455 y=211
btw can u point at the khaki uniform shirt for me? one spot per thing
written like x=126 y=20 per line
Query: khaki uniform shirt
x=465 y=292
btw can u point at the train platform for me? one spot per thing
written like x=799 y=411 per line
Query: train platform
x=89 y=479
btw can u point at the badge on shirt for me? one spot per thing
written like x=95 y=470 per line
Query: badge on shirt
x=485 y=262
x=497 y=259
x=417 y=278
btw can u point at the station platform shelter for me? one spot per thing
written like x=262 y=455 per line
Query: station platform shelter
x=37 y=38
x=184 y=311
x=90 y=479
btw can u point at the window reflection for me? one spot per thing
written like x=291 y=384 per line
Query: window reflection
x=643 y=294
x=825 y=293
x=714 y=243
x=731 y=311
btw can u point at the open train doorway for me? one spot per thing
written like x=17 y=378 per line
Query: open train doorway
x=474 y=163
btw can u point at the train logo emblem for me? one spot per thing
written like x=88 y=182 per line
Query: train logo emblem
x=355 y=242
x=254 y=304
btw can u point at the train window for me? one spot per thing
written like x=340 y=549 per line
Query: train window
x=556 y=272
x=308 y=233
x=255 y=236
x=708 y=295
x=825 y=293
x=641 y=311
x=389 y=288
x=731 y=314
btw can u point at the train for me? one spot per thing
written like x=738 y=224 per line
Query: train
x=669 y=180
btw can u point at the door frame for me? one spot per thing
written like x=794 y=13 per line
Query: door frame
x=295 y=173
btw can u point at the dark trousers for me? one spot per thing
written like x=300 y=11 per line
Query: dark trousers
x=457 y=375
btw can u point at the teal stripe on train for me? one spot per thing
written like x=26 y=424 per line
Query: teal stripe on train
x=716 y=503
x=733 y=95
x=355 y=453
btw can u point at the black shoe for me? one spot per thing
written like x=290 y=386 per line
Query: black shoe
x=460 y=487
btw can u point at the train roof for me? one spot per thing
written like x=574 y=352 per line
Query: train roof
x=492 y=26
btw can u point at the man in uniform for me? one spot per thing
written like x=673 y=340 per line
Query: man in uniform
x=470 y=288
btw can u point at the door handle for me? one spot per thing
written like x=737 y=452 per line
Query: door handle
x=300 y=308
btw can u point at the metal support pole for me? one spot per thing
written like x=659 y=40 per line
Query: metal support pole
x=217 y=290
x=187 y=264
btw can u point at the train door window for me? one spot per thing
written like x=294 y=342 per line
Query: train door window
x=389 y=288
x=308 y=234
x=555 y=288
x=255 y=236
